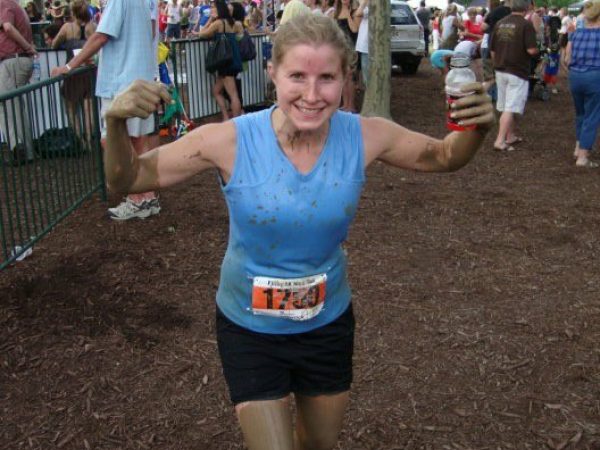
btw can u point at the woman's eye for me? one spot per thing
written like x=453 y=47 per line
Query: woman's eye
x=296 y=76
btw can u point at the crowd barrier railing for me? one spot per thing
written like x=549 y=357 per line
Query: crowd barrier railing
x=50 y=160
x=194 y=83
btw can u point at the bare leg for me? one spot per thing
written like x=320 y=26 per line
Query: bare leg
x=319 y=420
x=266 y=424
x=142 y=145
x=220 y=99
x=231 y=88
x=505 y=129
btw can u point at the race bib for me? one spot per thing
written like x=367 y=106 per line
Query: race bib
x=290 y=298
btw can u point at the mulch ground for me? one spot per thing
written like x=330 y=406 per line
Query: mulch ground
x=476 y=295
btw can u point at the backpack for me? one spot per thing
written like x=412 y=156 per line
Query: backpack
x=247 y=47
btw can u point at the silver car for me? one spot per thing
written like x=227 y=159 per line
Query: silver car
x=407 y=37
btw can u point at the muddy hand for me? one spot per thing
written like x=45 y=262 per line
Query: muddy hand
x=140 y=99
x=475 y=109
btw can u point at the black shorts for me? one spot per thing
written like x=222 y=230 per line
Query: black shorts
x=259 y=366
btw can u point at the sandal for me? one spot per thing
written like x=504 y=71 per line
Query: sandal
x=515 y=141
x=587 y=164
x=505 y=148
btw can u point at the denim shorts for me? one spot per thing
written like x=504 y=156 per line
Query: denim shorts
x=259 y=366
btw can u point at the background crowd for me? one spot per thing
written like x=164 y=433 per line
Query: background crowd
x=513 y=62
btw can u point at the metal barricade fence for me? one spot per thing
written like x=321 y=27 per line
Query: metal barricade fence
x=194 y=83
x=51 y=157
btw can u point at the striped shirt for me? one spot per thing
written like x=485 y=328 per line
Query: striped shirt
x=585 y=50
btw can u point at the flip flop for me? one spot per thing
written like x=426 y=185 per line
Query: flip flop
x=505 y=148
x=587 y=164
x=517 y=140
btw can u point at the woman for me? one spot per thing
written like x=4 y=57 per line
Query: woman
x=435 y=24
x=292 y=176
x=449 y=28
x=222 y=22
x=77 y=89
x=471 y=28
x=33 y=13
x=72 y=35
x=583 y=59
x=345 y=18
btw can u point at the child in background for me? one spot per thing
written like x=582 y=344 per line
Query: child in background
x=552 y=61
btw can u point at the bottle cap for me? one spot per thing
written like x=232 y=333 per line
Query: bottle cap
x=460 y=60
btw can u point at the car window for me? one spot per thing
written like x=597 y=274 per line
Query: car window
x=402 y=15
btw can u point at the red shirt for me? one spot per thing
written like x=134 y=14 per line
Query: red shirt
x=11 y=12
x=473 y=28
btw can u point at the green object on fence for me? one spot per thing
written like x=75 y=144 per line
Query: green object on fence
x=172 y=110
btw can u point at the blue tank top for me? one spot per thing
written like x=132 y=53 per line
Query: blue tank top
x=287 y=228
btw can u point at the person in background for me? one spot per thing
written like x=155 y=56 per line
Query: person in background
x=33 y=13
x=362 y=40
x=512 y=45
x=496 y=13
x=73 y=35
x=239 y=15
x=449 y=27
x=125 y=38
x=16 y=66
x=424 y=16
x=292 y=176
x=565 y=25
x=582 y=56
x=328 y=7
x=471 y=30
x=57 y=11
x=435 y=25
x=222 y=22
x=346 y=20
x=255 y=17
x=194 y=16
x=173 y=20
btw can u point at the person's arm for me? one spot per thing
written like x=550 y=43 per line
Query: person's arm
x=91 y=47
x=211 y=27
x=395 y=145
x=16 y=36
x=360 y=11
x=353 y=22
x=126 y=172
x=566 y=60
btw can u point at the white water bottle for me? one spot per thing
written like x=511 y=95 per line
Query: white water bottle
x=460 y=74
x=36 y=74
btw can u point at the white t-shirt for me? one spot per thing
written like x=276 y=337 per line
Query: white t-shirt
x=564 y=24
x=362 y=40
x=173 y=13
x=447 y=27
x=466 y=47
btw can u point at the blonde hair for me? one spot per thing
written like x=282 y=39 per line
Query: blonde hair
x=293 y=9
x=591 y=10
x=313 y=29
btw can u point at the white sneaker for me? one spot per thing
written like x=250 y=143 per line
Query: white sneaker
x=130 y=210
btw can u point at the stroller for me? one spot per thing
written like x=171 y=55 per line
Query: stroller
x=538 y=88
x=545 y=68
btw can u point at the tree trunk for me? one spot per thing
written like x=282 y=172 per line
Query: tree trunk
x=377 y=96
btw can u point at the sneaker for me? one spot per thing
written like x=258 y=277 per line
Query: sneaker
x=154 y=205
x=554 y=91
x=130 y=210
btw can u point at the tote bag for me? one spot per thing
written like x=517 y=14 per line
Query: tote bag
x=247 y=48
x=219 y=54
